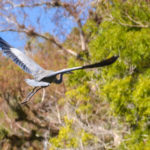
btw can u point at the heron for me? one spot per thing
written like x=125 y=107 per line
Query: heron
x=42 y=78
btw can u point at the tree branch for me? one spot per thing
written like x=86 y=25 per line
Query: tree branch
x=54 y=3
x=31 y=32
x=82 y=36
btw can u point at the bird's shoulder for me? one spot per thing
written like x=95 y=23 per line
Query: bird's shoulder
x=43 y=74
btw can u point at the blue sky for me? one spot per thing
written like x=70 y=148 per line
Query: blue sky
x=46 y=24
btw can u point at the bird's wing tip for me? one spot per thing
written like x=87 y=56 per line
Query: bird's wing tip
x=4 y=44
x=115 y=57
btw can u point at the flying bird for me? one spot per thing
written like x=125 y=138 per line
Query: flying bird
x=42 y=78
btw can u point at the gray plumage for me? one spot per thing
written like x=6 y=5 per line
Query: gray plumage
x=42 y=77
x=27 y=64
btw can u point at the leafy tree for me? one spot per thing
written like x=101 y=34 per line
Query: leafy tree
x=106 y=108
x=126 y=83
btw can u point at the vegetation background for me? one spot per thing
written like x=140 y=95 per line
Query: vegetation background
x=100 y=109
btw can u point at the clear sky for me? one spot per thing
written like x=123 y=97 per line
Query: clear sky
x=45 y=25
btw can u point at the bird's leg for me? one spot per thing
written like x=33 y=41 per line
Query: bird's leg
x=29 y=96
x=31 y=92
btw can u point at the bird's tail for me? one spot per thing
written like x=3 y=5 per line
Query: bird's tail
x=4 y=44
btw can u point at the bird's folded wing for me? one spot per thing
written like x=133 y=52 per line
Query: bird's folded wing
x=21 y=59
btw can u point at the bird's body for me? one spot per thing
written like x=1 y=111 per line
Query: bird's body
x=42 y=78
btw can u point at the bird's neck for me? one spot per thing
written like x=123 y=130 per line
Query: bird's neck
x=58 y=81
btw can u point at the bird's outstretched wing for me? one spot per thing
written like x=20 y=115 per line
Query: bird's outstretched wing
x=26 y=63
x=99 y=64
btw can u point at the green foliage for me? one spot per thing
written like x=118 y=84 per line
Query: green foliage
x=126 y=84
x=69 y=137
x=132 y=12
x=137 y=140
x=80 y=95
x=3 y=133
x=65 y=139
x=90 y=28
x=78 y=76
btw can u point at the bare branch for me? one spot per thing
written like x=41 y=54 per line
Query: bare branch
x=131 y=25
x=31 y=32
x=22 y=128
x=54 y=3
x=82 y=36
